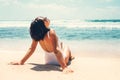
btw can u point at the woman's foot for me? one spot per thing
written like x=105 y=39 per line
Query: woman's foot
x=71 y=58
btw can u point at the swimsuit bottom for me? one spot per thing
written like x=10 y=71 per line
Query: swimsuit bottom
x=50 y=58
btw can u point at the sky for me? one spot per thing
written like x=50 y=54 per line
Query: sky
x=59 y=9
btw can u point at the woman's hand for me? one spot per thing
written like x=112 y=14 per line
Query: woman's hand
x=67 y=70
x=15 y=63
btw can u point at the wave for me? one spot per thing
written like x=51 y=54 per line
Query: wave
x=85 y=24
x=66 y=23
x=14 y=23
x=103 y=20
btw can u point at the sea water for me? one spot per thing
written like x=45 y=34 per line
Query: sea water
x=88 y=35
x=65 y=29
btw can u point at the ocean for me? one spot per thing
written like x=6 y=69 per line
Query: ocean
x=90 y=37
x=66 y=29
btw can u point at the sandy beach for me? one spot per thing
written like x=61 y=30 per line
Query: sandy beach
x=91 y=28
x=85 y=66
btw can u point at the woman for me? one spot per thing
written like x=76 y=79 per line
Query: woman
x=55 y=52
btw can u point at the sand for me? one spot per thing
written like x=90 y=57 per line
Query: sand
x=86 y=66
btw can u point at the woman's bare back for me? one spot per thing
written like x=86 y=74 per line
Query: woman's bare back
x=49 y=42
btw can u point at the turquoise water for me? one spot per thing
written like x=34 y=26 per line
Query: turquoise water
x=83 y=37
x=66 y=30
x=88 y=33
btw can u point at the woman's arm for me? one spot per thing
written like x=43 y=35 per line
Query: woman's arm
x=60 y=58
x=28 y=54
x=59 y=55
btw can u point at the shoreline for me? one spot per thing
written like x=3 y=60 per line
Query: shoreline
x=84 y=48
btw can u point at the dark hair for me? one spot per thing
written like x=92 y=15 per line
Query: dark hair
x=38 y=29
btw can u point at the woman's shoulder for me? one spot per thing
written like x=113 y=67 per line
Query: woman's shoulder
x=52 y=32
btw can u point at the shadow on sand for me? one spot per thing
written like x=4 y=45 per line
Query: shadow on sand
x=44 y=67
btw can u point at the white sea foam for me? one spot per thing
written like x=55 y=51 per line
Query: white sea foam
x=14 y=23
x=63 y=23
x=83 y=24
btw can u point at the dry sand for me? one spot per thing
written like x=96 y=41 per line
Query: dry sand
x=85 y=68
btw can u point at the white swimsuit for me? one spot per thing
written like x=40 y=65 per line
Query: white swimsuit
x=50 y=58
